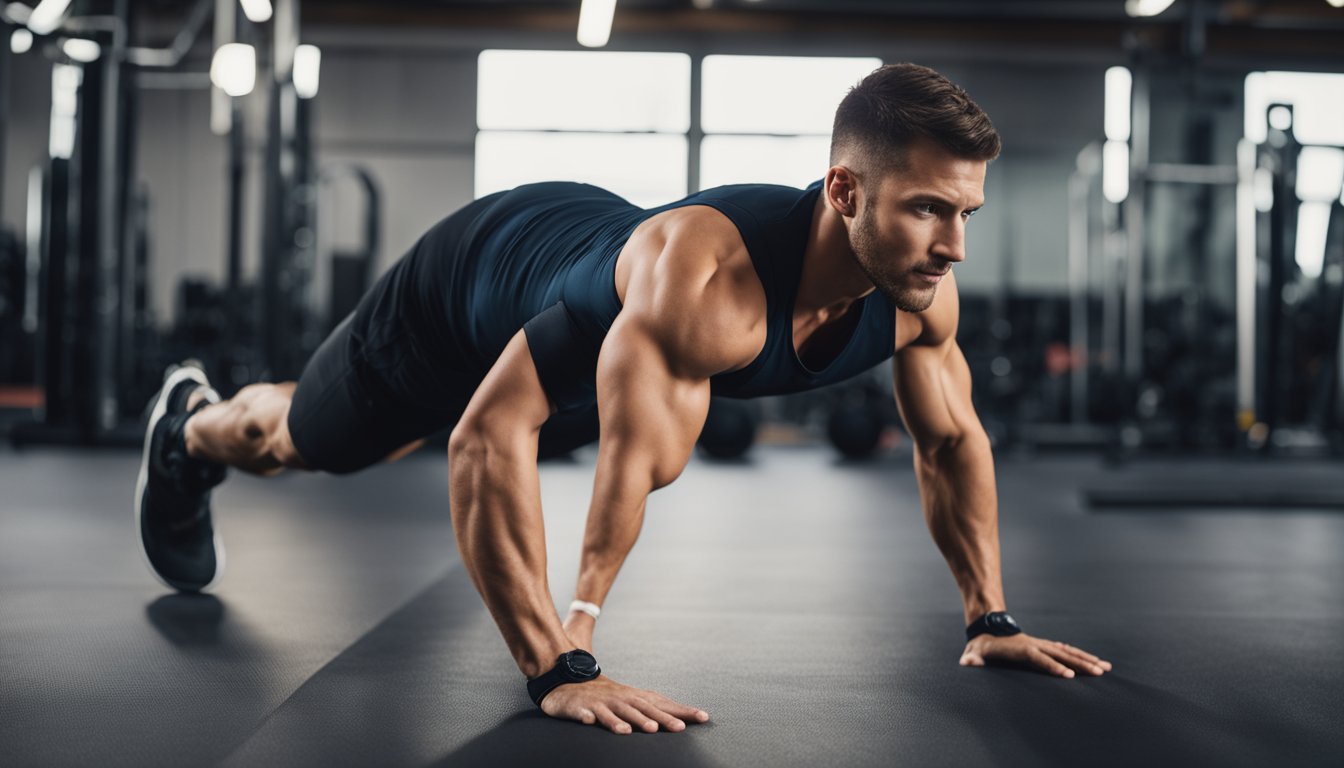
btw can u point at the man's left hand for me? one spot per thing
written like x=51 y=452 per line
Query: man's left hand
x=1051 y=656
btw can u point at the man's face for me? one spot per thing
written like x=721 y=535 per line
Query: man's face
x=910 y=226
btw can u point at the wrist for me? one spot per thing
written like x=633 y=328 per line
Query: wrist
x=593 y=610
x=577 y=666
x=974 y=609
x=538 y=659
x=996 y=623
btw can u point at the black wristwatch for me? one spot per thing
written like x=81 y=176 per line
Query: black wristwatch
x=576 y=666
x=997 y=623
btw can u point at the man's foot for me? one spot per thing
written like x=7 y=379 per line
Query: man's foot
x=172 y=494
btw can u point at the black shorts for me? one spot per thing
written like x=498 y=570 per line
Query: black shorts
x=383 y=379
x=372 y=387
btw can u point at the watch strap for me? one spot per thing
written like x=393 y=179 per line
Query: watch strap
x=997 y=623
x=576 y=666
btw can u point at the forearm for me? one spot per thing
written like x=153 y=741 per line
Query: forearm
x=496 y=505
x=614 y=521
x=956 y=484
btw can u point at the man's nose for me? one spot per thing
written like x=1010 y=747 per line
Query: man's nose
x=951 y=242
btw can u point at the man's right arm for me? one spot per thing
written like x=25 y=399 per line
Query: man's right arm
x=497 y=519
x=687 y=315
x=679 y=325
x=495 y=495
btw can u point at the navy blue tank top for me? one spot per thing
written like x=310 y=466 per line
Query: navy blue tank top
x=510 y=256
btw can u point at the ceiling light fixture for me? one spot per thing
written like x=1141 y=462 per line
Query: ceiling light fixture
x=1146 y=7
x=595 y=22
x=257 y=11
x=47 y=16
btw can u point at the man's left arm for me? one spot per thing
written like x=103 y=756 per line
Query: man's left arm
x=955 y=469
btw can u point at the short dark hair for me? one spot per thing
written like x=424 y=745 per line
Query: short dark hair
x=897 y=105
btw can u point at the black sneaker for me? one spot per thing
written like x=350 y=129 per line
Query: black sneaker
x=172 y=494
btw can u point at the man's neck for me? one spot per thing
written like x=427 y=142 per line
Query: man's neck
x=831 y=279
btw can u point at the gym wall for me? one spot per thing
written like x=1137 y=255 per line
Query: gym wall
x=403 y=104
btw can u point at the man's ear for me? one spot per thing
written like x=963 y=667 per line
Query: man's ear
x=842 y=189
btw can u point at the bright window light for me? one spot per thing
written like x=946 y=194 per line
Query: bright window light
x=65 y=82
x=307 y=65
x=1115 y=171
x=646 y=169
x=583 y=91
x=1320 y=173
x=47 y=16
x=81 y=50
x=234 y=69
x=1146 y=7
x=1317 y=99
x=793 y=161
x=21 y=40
x=1119 y=83
x=777 y=94
x=257 y=11
x=595 y=22
x=1313 y=225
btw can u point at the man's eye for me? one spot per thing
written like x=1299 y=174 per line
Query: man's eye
x=927 y=208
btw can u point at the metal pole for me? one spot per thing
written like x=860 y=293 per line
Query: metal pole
x=1080 y=185
x=281 y=164
x=221 y=120
x=111 y=178
x=1246 y=284
x=696 y=136
x=1113 y=266
x=1134 y=213
x=130 y=217
x=4 y=115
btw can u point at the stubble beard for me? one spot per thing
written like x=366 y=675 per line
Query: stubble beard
x=863 y=241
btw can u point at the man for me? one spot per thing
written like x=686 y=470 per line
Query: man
x=536 y=305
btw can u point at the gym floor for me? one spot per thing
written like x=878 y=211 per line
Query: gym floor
x=799 y=600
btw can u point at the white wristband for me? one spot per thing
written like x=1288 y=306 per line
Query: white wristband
x=584 y=606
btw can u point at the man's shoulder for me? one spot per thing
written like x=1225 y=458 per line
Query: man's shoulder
x=692 y=280
x=694 y=239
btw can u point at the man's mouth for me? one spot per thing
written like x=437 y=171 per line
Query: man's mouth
x=932 y=276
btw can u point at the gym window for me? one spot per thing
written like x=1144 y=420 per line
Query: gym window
x=617 y=120
x=768 y=119
x=1311 y=106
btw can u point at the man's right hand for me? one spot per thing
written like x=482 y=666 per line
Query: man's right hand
x=579 y=629
x=619 y=708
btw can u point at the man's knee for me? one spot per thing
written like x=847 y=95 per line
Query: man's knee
x=281 y=443
x=264 y=413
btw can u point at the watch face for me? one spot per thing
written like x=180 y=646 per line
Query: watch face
x=1000 y=621
x=581 y=664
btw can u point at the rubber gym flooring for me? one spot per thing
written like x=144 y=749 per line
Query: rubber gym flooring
x=799 y=600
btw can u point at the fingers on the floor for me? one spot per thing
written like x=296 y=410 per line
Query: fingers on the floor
x=1044 y=661
x=668 y=721
x=1106 y=665
x=675 y=708
x=610 y=721
x=630 y=714
x=1076 y=660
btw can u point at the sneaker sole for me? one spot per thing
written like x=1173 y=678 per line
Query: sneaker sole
x=170 y=381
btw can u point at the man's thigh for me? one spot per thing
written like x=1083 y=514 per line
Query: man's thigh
x=349 y=409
